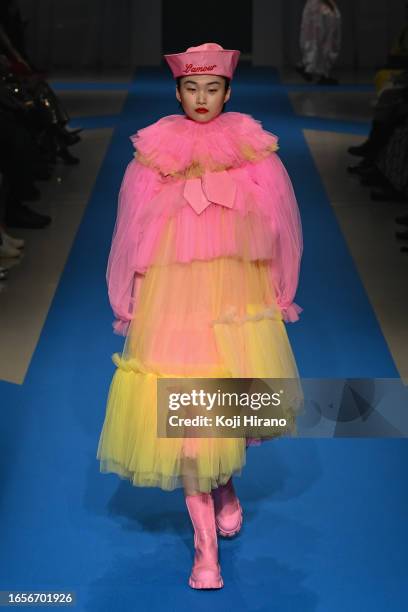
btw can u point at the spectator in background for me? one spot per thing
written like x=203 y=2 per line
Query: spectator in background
x=396 y=62
x=20 y=68
x=398 y=56
x=384 y=154
x=12 y=32
x=34 y=129
x=320 y=40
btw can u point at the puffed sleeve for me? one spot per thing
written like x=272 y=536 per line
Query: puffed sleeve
x=139 y=185
x=286 y=230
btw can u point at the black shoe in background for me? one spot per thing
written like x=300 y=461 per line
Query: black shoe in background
x=305 y=75
x=67 y=157
x=362 y=150
x=73 y=130
x=70 y=138
x=64 y=138
x=363 y=171
x=363 y=166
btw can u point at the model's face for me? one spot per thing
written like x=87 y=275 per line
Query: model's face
x=203 y=91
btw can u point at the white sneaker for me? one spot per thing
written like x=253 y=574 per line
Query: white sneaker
x=8 y=250
x=15 y=242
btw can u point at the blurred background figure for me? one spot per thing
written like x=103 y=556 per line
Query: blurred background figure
x=396 y=62
x=34 y=132
x=398 y=56
x=384 y=154
x=320 y=41
x=384 y=163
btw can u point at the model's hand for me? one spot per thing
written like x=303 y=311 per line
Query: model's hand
x=120 y=326
x=291 y=313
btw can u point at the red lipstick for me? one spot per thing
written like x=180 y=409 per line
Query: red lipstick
x=201 y=110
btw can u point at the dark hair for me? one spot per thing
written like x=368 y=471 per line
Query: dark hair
x=227 y=82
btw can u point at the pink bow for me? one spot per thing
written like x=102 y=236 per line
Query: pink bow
x=212 y=187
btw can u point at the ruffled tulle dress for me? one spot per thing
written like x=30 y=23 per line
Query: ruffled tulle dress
x=202 y=273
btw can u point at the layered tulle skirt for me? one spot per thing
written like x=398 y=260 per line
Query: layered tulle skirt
x=215 y=318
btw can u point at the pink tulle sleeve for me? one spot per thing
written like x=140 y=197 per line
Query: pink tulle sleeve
x=138 y=187
x=271 y=176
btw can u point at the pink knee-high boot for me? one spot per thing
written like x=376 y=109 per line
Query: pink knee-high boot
x=206 y=573
x=228 y=511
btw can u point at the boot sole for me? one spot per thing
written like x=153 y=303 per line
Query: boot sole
x=198 y=584
x=230 y=534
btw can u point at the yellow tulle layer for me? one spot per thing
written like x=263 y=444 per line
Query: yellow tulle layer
x=215 y=319
x=129 y=445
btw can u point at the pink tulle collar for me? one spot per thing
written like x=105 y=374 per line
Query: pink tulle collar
x=181 y=147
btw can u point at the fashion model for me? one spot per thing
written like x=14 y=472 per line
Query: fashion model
x=320 y=41
x=202 y=274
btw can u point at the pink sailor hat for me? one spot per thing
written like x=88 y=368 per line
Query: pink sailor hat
x=209 y=58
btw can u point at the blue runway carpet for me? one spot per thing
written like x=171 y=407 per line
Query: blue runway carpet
x=325 y=520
